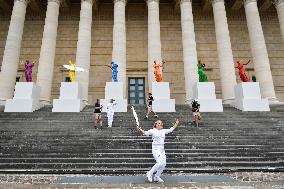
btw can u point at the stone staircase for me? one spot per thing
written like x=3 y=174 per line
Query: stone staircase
x=46 y=142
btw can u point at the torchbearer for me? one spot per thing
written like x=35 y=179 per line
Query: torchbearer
x=158 y=135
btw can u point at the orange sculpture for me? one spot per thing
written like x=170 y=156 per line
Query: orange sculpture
x=157 y=70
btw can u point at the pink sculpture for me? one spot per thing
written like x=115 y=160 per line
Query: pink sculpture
x=29 y=70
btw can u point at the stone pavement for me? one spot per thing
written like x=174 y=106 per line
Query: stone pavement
x=238 y=180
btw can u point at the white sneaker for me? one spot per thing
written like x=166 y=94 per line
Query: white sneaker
x=158 y=179
x=149 y=177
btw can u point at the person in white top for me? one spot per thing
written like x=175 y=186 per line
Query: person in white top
x=110 y=112
x=158 y=135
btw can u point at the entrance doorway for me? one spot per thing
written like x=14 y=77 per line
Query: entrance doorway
x=136 y=90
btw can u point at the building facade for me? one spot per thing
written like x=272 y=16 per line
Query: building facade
x=134 y=33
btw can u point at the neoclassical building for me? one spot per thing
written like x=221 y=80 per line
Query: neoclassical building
x=134 y=33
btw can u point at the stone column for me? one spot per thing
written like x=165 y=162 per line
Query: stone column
x=84 y=46
x=189 y=48
x=279 y=4
x=119 y=41
x=154 y=40
x=225 y=55
x=259 y=51
x=47 y=52
x=12 y=50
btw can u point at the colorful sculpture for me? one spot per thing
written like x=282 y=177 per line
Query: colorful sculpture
x=114 y=68
x=28 y=70
x=72 y=71
x=157 y=71
x=242 y=71
x=201 y=72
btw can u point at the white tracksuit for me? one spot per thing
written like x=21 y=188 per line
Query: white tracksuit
x=110 y=113
x=158 y=150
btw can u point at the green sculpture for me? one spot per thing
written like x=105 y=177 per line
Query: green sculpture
x=201 y=72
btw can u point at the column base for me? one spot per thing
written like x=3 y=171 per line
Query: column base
x=2 y=105
x=274 y=101
x=228 y=101
x=45 y=102
x=2 y=102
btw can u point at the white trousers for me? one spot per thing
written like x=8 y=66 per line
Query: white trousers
x=110 y=118
x=158 y=152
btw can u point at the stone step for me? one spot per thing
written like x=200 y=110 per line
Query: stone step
x=121 y=165
x=146 y=158
x=46 y=142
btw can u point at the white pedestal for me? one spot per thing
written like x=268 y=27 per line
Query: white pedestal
x=204 y=92
x=26 y=98
x=248 y=97
x=161 y=95
x=70 y=99
x=114 y=90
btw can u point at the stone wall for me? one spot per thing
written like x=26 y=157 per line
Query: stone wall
x=136 y=23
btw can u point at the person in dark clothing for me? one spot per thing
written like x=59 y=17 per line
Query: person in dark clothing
x=196 y=114
x=97 y=114
x=149 y=106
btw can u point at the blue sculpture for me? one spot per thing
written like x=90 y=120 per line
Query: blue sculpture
x=114 y=68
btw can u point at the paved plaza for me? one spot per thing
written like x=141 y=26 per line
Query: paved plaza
x=238 y=180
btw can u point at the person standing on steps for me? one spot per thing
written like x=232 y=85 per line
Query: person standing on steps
x=97 y=114
x=110 y=112
x=149 y=106
x=158 y=135
x=196 y=114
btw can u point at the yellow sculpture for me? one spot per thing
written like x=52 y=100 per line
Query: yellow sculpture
x=72 y=71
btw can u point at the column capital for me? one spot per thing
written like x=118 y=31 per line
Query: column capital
x=23 y=1
x=185 y=1
x=217 y=1
x=149 y=1
x=56 y=1
x=124 y=1
x=89 y=1
x=278 y=2
x=249 y=1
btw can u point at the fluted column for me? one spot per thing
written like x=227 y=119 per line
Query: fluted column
x=119 y=41
x=47 y=52
x=12 y=50
x=84 y=46
x=279 y=4
x=189 y=48
x=225 y=55
x=259 y=51
x=154 y=39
